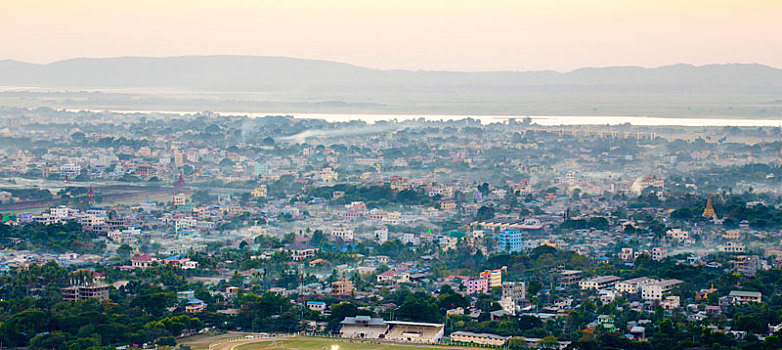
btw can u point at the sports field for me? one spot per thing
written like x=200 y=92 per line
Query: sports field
x=326 y=344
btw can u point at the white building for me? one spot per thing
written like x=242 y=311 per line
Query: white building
x=70 y=169
x=678 y=234
x=598 y=283
x=410 y=238
x=656 y=291
x=381 y=235
x=343 y=232
x=633 y=286
x=659 y=254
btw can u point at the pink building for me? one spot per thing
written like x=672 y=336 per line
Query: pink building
x=477 y=285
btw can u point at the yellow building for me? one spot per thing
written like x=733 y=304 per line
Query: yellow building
x=342 y=287
x=494 y=277
x=259 y=192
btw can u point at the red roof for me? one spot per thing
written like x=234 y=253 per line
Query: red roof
x=142 y=257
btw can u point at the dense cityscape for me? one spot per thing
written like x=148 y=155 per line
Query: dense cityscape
x=150 y=230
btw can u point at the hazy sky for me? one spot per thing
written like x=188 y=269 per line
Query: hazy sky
x=408 y=34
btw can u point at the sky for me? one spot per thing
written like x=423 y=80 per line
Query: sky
x=463 y=35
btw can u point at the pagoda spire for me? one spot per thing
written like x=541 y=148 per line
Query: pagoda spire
x=709 y=211
x=180 y=182
x=91 y=196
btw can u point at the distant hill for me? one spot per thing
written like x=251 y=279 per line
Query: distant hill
x=279 y=74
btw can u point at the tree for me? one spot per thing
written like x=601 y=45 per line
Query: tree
x=338 y=313
x=49 y=340
x=448 y=299
x=485 y=213
x=124 y=251
x=484 y=189
x=167 y=341
x=419 y=307
x=534 y=287
x=549 y=342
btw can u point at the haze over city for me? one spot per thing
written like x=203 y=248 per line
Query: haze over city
x=390 y=175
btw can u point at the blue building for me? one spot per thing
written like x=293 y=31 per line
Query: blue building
x=510 y=241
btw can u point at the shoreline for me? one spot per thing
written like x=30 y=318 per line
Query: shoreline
x=547 y=120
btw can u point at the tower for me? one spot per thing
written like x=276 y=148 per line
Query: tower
x=709 y=211
x=179 y=183
x=91 y=196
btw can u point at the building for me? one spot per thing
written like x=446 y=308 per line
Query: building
x=633 y=286
x=746 y=265
x=478 y=338
x=363 y=327
x=659 y=254
x=626 y=254
x=398 y=183
x=180 y=200
x=387 y=277
x=733 y=247
x=342 y=287
x=447 y=204
x=732 y=235
x=709 y=212
x=743 y=297
x=510 y=241
x=599 y=283
x=656 y=290
x=652 y=182
x=180 y=261
x=70 y=169
x=448 y=242
x=671 y=302
x=477 y=285
x=493 y=276
x=300 y=251
x=259 y=192
x=195 y=305
x=568 y=277
x=516 y=291
x=342 y=232
x=316 y=305
x=381 y=235
x=141 y=261
x=94 y=291
x=415 y=332
x=678 y=234
x=606 y=322
x=185 y=295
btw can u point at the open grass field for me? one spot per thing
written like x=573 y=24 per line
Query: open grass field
x=305 y=343
x=202 y=341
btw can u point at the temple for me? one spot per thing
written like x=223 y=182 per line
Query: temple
x=709 y=211
x=179 y=183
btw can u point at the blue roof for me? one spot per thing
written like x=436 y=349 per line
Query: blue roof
x=195 y=301
x=317 y=302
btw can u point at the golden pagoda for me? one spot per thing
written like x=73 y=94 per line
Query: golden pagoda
x=709 y=211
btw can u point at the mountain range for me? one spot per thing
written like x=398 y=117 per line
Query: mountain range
x=254 y=74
